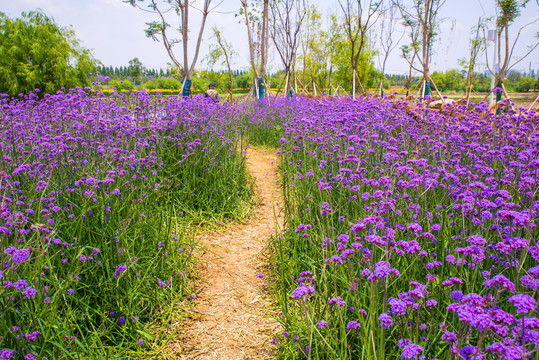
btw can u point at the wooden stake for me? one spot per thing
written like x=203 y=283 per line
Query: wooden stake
x=304 y=89
x=420 y=91
x=414 y=89
x=491 y=90
x=533 y=103
x=439 y=94
x=360 y=84
x=507 y=96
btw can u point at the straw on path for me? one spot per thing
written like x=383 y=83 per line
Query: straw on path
x=234 y=319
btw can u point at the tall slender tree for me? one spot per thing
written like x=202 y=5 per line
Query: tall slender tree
x=359 y=17
x=160 y=29
x=258 y=51
x=421 y=19
x=222 y=52
x=285 y=29
x=507 y=12
x=476 y=47
x=388 y=40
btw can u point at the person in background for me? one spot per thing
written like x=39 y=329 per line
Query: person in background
x=212 y=93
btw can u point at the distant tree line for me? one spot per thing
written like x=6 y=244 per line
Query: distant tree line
x=454 y=80
x=125 y=71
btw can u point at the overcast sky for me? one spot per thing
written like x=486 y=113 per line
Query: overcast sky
x=114 y=31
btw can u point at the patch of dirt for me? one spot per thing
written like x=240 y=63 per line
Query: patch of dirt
x=233 y=318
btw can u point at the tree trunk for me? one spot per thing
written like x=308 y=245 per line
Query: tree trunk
x=250 y=38
x=185 y=31
x=201 y=31
x=265 y=40
x=229 y=74
x=329 y=84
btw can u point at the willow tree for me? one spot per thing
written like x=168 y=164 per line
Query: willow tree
x=36 y=53
x=421 y=19
x=160 y=29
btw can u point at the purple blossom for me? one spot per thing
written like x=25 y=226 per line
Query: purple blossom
x=29 y=292
x=337 y=300
x=386 y=321
x=411 y=351
x=523 y=302
x=352 y=325
x=303 y=291
x=500 y=282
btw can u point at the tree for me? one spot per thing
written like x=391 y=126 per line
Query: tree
x=316 y=49
x=251 y=21
x=357 y=23
x=286 y=21
x=135 y=69
x=421 y=18
x=476 y=46
x=223 y=52
x=160 y=28
x=508 y=11
x=36 y=53
x=339 y=58
x=387 y=38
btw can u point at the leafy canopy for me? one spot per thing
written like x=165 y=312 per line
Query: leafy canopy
x=36 y=53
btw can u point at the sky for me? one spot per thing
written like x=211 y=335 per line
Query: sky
x=114 y=31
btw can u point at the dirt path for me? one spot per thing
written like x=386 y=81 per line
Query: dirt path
x=234 y=320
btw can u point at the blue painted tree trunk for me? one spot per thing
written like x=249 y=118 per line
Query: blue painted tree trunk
x=261 y=90
x=498 y=98
x=186 y=92
x=427 y=88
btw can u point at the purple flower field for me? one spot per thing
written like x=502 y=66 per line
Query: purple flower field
x=411 y=232
x=93 y=194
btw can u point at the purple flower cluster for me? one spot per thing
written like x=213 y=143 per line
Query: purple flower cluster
x=89 y=186
x=422 y=222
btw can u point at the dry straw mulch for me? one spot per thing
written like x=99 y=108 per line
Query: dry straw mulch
x=234 y=318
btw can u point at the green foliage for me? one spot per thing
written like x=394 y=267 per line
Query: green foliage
x=163 y=83
x=36 y=53
x=122 y=84
x=342 y=69
x=525 y=84
x=452 y=79
x=509 y=11
x=244 y=81
x=135 y=68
